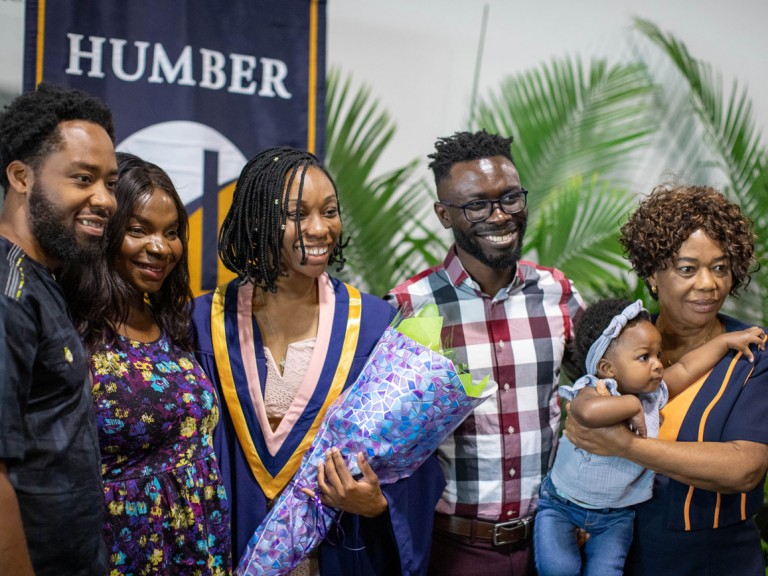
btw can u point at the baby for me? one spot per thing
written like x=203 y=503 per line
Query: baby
x=596 y=493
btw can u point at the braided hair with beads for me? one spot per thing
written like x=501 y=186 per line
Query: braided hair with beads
x=253 y=229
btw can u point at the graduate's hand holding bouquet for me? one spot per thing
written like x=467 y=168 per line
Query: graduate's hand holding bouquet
x=406 y=401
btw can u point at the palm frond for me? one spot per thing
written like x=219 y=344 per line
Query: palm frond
x=569 y=121
x=727 y=121
x=576 y=228
x=382 y=215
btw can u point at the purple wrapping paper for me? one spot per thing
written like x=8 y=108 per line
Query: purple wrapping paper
x=405 y=402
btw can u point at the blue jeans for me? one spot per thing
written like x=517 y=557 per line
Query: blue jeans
x=555 y=548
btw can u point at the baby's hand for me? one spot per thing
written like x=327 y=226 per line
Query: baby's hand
x=637 y=424
x=741 y=340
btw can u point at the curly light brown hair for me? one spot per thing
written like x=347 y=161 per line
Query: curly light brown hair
x=668 y=216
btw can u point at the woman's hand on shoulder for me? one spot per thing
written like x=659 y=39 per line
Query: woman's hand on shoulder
x=339 y=489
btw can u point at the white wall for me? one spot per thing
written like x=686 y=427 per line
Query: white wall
x=418 y=56
x=11 y=45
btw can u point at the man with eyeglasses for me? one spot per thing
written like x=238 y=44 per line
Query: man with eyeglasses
x=506 y=318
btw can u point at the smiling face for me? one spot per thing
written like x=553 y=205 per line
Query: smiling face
x=633 y=360
x=496 y=242
x=692 y=289
x=320 y=225
x=72 y=195
x=151 y=246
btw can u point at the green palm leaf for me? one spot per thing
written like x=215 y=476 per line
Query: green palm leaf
x=382 y=215
x=578 y=132
x=569 y=121
x=575 y=229
x=728 y=122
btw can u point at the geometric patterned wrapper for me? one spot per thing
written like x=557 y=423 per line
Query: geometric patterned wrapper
x=405 y=402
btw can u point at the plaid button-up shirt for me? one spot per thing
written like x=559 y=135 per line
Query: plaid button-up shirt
x=495 y=461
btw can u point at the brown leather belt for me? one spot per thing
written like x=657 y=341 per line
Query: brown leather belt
x=498 y=534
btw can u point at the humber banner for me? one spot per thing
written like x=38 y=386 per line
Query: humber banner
x=195 y=86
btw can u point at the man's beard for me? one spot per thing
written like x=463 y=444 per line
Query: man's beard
x=468 y=243
x=58 y=240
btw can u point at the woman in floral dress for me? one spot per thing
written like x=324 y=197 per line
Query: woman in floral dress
x=166 y=507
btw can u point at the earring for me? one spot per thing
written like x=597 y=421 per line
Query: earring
x=654 y=290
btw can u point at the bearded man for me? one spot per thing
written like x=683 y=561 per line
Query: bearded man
x=506 y=318
x=58 y=170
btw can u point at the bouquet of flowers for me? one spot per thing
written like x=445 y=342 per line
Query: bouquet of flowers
x=406 y=401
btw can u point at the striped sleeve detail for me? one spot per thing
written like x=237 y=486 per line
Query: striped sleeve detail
x=14 y=283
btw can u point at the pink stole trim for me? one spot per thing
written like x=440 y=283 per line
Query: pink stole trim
x=326 y=298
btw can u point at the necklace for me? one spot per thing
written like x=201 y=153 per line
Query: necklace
x=269 y=322
x=271 y=329
x=714 y=330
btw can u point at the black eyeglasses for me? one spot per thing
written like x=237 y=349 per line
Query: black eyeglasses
x=481 y=210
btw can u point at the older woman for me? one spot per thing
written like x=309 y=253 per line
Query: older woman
x=693 y=248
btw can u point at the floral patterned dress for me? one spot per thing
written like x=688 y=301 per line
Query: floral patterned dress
x=166 y=508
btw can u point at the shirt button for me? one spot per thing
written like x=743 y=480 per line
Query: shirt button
x=509 y=513
x=501 y=344
x=512 y=472
x=511 y=429
x=506 y=387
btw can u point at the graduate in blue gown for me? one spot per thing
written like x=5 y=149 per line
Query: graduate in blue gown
x=281 y=342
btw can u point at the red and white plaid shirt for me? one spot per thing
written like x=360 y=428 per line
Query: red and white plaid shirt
x=495 y=461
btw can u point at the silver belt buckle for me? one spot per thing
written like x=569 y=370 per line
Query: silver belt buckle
x=505 y=529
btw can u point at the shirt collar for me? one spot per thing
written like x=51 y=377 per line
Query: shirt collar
x=458 y=275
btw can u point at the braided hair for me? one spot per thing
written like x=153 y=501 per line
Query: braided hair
x=465 y=147
x=252 y=233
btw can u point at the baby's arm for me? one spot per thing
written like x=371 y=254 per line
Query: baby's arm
x=698 y=362
x=596 y=411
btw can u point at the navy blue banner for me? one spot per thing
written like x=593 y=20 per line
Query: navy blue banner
x=197 y=87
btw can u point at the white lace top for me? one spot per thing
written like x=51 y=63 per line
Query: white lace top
x=281 y=389
x=279 y=392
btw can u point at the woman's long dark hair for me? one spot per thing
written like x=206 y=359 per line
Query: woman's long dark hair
x=99 y=298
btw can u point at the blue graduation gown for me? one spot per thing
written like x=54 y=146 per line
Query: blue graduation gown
x=398 y=541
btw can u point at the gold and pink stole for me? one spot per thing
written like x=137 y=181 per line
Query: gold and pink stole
x=239 y=353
